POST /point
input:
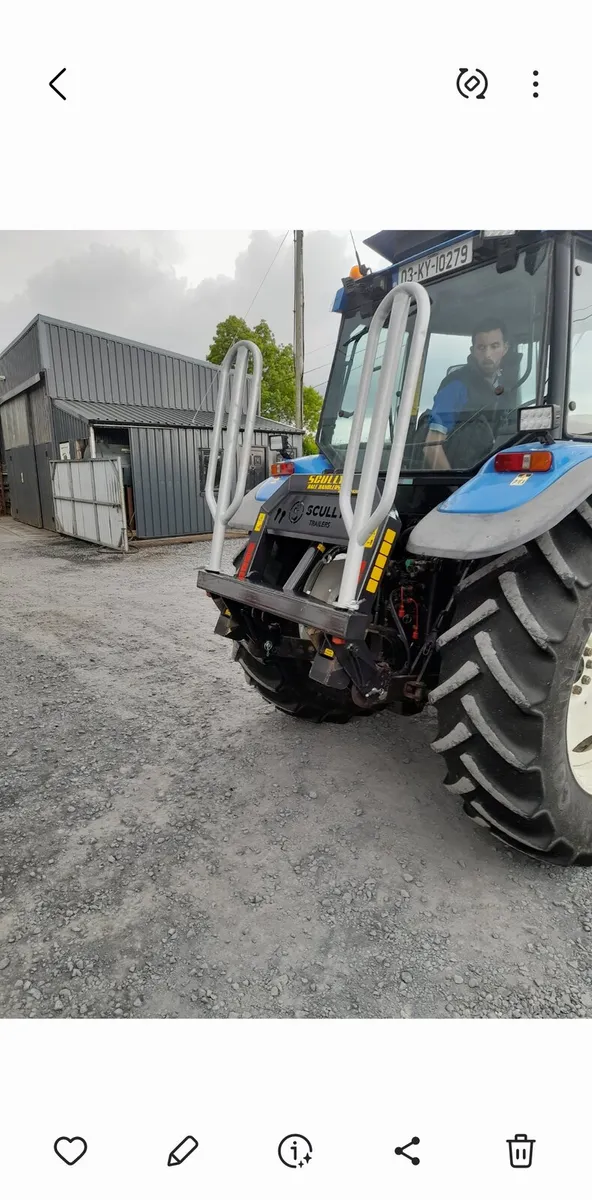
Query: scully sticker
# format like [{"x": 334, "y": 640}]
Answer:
[
  {"x": 323, "y": 483},
  {"x": 259, "y": 523},
  {"x": 518, "y": 480}
]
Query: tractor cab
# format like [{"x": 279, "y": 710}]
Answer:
[{"x": 486, "y": 355}]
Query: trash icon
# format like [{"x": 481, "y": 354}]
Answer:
[{"x": 521, "y": 1150}]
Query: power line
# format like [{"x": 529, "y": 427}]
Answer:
[
  {"x": 319, "y": 368},
  {"x": 323, "y": 347},
  {"x": 214, "y": 377},
  {"x": 266, "y": 274}
]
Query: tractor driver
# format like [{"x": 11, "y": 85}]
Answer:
[{"x": 466, "y": 391}]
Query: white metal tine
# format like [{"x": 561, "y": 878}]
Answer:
[
  {"x": 361, "y": 521},
  {"x": 223, "y": 507}
]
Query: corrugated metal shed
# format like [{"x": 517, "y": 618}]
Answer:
[
  {"x": 70, "y": 377},
  {"x": 21, "y": 359},
  {"x": 128, "y": 414}
]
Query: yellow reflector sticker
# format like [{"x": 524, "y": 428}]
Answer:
[
  {"x": 381, "y": 561},
  {"x": 369, "y": 544},
  {"x": 259, "y": 523},
  {"x": 376, "y": 573},
  {"x": 390, "y": 536},
  {"x": 329, "y": 653},
  {"x": 385, "y": 548},
  {"x": 371, "y": 586}
]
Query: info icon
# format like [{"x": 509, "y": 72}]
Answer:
[{"x": 295, "y": 1150}]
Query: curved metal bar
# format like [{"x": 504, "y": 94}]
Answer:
[
  {"x": 222, "y": 506},
  {"x": 361, "y": 521}
]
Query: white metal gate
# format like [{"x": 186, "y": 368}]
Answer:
[{"x": 89, "y": 502}]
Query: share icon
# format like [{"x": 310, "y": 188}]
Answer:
[{"x": 401, "y": 1150}]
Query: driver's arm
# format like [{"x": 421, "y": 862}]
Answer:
[
  {"x": 434, "y": 453},
  {"x": 449, "y": 402}
]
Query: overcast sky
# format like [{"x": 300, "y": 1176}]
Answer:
[{"x": 170, "y": 289}]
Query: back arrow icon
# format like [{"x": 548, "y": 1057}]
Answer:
[{"x": 52, "y": 81}]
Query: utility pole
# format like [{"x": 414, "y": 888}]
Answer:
[{"x": 299, "y": 325}]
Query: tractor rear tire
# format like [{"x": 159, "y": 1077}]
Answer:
[
  {"x": 510, "y": 664},
  {"x": 285, "y": 683}
]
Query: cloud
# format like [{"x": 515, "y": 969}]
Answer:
[{"x": 136, "y": 285}]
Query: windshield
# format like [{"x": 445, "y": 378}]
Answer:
[{"x": 481, "y": 363}]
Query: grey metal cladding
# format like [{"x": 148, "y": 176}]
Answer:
[
  {"x": 40, "y": 410},
  {"x": 14, "y": 423},
  {"x": 168, "y": 491},
  {"x": 21, "y": 359},
  {"x": 85, "y": 364},
  {"x": 67, "y": 427},
  {"x": 165, "y": 472},
  {"x": 128, "y": 414}
]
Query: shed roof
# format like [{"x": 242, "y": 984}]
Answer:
[{"x": 129, "y": 414}]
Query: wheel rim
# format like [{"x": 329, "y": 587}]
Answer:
[{"x": 579, "y": 721}]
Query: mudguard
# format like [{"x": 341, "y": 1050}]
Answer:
[
  {"x": 495, "y": 512},
  {"x": 248, "y": 510}
]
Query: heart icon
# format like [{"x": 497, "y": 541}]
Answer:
[{"x": 70, "y": 1150}]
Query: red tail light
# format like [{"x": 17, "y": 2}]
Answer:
[
  {"x": 518, "y": 460},
  {"x": 249, "y": 552},
  {"x": 282, "y": 468}
]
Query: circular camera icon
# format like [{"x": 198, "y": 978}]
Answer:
[{"x": 295, "y": 1150}]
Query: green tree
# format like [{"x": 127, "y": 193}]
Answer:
[
  {"x": 278, "y": 387},
  {"x": 312, "y": 402}
]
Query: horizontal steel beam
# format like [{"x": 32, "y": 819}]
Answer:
[
  {"x": 83, "y": 500},
  {"x": 292, "y": 607}
]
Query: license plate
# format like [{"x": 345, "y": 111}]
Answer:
[{"x": 439, "y": 263}]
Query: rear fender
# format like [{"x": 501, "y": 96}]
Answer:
[
  {"x": 249, "y": 508},
  {"x": 495, "y": 512}
]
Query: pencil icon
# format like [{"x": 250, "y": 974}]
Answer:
[{"x": 182, "y": 1151}]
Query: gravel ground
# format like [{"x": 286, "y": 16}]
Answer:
[{"x": 171, "y": 846}]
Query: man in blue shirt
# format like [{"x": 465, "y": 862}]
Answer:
[{"x": 465, "y": 393}]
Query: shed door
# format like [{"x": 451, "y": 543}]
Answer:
[
  {"x": 88, "y": 501},
  {"x": 40, "y": 408},
  {"x": 43, "y": 456},
  {"x": 20, "y": 462},
  {"x": 165, "y": 477}
]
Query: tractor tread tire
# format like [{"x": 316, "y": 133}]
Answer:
[
  {"x": 285, "y": 683},
  {"x": 508, "y": 664}
]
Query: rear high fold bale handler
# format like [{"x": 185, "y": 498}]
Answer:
[{"x": 438, "y": 549}]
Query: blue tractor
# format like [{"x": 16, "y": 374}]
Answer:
[{"x": 438, "y": 548}]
